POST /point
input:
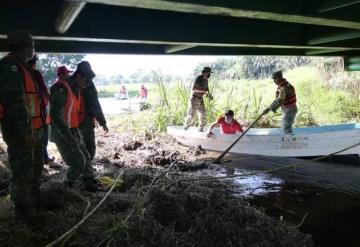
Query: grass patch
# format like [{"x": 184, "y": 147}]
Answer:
[{"x": 318, "y": 104}]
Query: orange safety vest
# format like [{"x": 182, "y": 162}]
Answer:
[
  {"x": 71, "y": 106},
  {"x": 32, "y": 99}
]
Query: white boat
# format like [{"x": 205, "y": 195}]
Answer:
[{"x": 309, "y": 141}]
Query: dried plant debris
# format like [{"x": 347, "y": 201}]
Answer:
[
  {"x": 170, "y": 212},
  {"x": 133, "y": 145},
  {"x": 196, "y": 151},
  {"x": 159, "y": 202}
]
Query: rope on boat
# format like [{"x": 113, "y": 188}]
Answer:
[{"x": 272, "y": 169}]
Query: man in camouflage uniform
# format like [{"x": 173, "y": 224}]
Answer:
[
  {"x": 21, "y": 123},
  {"x": 90, "y": 111},
  {"x": 45, "y": 96},
  {"x": 69, "y": 139},
  {"x": 286, "y": 98},
  {"x": 196, "y": 103}
]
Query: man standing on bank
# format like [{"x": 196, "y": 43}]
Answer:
[
  {"x": 285, "y": 97},
  {"x": 196, "y": 103},
  {"x": 21, "y": 123},
  {"x": 90, "y": 110},
  {"x": 64, "y": 107},
  {"x": 45, "y": 97}
]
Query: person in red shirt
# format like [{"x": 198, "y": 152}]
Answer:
[
  {"x": 142, "y": 95},
  {"x": 142, "y": 92},
  {"x": 123, "y": 93},
  {"x": 227, "y": 124}
]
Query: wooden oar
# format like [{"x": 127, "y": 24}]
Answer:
[{"x": 218, "y": 159}]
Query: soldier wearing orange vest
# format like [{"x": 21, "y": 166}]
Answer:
[
  {"x": 44, "y": 95},
  {"x": 285, "y": 97},
  {"x": 64, "y": 110},
  {"x": 21, "y": 123}
]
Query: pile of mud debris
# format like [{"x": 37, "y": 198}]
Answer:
[{"x": 159, "y": 202}]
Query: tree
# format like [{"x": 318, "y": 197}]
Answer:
[
  {"x": 102, "y": 79},
  {"x": 141, "y": 76},
  {"x": 251, "y": 67},
  {"x": 48, "y": 63},
  {"x": 255, "y": 67},
  {"x": 219, "y": 67},
  {"x": 117, "y": 79}
]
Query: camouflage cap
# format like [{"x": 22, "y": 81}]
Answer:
[
  {"x": 85, "y": 68},
  {"x": 277, "y": 74},
  {"x": 19, "y": 39}
]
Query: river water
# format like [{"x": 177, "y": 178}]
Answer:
[
  {"x": 112, "y": 106},
  {"x": 323, "y": 198}
]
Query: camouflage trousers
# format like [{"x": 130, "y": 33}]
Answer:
[
  {"x": 46, "y": 142},
  {"x": 26, "y": 164},
  {"x": 74, "y": 153},
  {"x": 288, "y": 117},
  {"x": 196, "y": 105},
  {"x": 88, "y": 134}
]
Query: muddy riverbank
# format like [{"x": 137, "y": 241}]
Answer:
[{"x": 160, "y": 200}]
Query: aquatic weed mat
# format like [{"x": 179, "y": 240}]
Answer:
[
  {"x": 157, "y": 202},
  {"x": 151, "y": 208}
]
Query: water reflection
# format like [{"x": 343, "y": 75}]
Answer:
[
  {"x": 254, "y": 185},
  {"x": 247, "y": 186}
]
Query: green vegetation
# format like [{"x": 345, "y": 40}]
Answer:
[
  {"x": 140, "y": 122},
  {"x": 253, "y": 67},
  {"x": 326, "y": 95},
  {"x": 109, "y": 91},
  {"x": 48, "y": 64},
  {"x": 248, "y": 98}
]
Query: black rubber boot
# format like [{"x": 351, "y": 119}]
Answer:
[{"x": 90, "y": 185}]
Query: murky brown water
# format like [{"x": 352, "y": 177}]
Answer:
[{"x": 332, "y": 215}]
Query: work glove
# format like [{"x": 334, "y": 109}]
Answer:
[{"x": 266, "y": 111}]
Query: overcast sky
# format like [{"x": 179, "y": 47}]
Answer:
[{"x": 127, "y": 64}]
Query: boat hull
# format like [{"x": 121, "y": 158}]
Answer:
[{"x": 312, "y": 141}]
